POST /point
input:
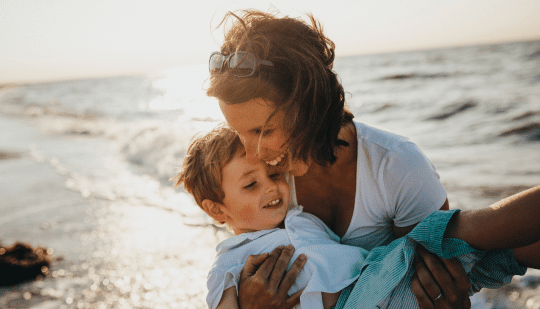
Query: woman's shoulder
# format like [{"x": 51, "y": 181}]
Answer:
[{"x": 370, "y": 135}]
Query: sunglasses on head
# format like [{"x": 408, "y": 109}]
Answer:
[{"x": 240, "y": 63}]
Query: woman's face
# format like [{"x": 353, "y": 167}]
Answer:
[{"x": 248, "y": 119}]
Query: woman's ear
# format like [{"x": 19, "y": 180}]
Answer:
[{"x": 214, "y": 210}]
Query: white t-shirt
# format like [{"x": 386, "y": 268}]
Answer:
[
  {"x": 330, "y": 266},
  {"x": 395, "y": 184}
]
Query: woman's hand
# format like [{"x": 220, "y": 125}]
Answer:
[
  {"x": 262, "y": 284},
  {"x": 439, "y": 283}
]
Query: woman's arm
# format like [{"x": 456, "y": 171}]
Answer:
[
  {"x": 511, "y": 223},
  {"x": 263, "y": 283}
]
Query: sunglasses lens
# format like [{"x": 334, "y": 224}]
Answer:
[
  {"x": 216, "y": 62},
  {"x": 242, "y": 64}
]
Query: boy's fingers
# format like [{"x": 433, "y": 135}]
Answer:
[
  {"x": 252, "y": 264},
  {"x": 293, "y": 300},
  {"x": 280, "y": 266}
]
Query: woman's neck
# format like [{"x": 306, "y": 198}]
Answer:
[{"x": 329, "y": 191}]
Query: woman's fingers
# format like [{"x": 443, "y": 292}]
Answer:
[
  {"x": 425, "y": 301},
  {"x": 457, "y": 272},
  {"x": 435, "y": 269},
  {"x": 446, "y": 287},
  {"x": 294, "y": 299},
  {"x": 267, "y": 267},
  {"x": 280, "y": 266},
  {"x": 256, "y": 289},
  {"x": 292, "y": 274},
  {"x": 252, "y": 264}
]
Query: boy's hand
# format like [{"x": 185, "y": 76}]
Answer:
[
  {"x": 262, "y": 281},
  {"x": 439, "y": 283}
]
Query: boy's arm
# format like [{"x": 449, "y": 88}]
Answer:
[
  {"x": 511, "y": 223},
  {"x": 229, "y": 300}
]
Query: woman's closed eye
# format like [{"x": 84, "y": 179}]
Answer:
[
  {"x": 267, "y": 132},
  {"x": 264, "y": 133}
]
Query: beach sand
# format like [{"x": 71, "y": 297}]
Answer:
[{"x": 107, "y": 253}]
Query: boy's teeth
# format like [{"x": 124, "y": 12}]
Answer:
[{"x": 272, "y": 203}]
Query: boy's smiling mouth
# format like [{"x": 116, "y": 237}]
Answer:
[{"x": 274, "y": 203}]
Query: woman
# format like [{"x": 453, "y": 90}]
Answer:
[{"x": 273, "y": 78}]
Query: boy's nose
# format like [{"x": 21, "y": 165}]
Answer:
[{"x": 271, "y": 186}]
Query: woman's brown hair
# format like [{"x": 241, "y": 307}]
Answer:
[{"x": 301, "y": 81}]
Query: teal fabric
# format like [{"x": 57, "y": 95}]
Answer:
[{"x": 388, "y": 269}]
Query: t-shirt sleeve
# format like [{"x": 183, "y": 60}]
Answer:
[{"x": 411, "y": 185}]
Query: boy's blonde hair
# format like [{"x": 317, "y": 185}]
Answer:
[{"x": 201, "y": 171}]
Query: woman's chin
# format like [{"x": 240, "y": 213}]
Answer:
[
  {"x": 297, "y": 167},
  {"x": 299, "y": 170}
]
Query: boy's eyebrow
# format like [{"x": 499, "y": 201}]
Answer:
[
  {"x": 242, "y": 153},
  {"x": 246, "y": 173}
]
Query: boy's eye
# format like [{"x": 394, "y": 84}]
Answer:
[{"x": 251, "y": 184}]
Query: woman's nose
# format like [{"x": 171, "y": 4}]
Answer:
[
  {"x": 252, "y": 156},
  {"x": 252, "y": 152}
]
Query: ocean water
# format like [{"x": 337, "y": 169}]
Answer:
[{"x": 474, "y": 111}]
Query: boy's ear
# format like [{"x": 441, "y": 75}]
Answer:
[{"x": 214, "y": 210}]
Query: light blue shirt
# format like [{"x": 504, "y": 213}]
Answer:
[{"x": 330, "y": 266}]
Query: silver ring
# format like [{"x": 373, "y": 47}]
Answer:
[{"x": 440, "y": 295}]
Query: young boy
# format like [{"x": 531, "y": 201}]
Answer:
[{"x": 254, "y": 204}]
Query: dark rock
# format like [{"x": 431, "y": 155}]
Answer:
[{"x": 21, "y": 262}]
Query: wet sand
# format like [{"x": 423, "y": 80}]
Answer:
[{"x": 106, "y": 254}]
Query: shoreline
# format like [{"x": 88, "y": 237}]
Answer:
[{"x": 106, "y": 254}]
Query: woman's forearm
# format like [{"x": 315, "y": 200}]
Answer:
[{"x": 511, "y": 223}]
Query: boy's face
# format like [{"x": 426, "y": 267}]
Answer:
[{"x": 255, "y": 198}]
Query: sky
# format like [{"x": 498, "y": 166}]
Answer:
[{"x": 69, "y": 39}]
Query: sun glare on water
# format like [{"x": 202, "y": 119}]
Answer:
[{"x": 183, "y": 88}]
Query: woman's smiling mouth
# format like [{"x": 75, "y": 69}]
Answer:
[{"x": 276, "y": 160}]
